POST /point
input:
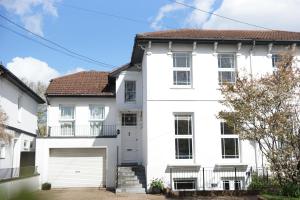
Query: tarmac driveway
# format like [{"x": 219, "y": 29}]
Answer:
[{"x": 94, "y": 194}]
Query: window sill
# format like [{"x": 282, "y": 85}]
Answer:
[{"x": 181, "y": 87}]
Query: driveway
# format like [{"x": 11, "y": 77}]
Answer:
[{"x": 94, "y": 194}]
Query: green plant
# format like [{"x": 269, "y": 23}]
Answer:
[
  {"x": 157, "y": 185},
  {"x": 291, "y": 190},
  {"x": 46, "y": 186}
]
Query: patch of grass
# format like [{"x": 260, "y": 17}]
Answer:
[{"x": 277, "y": 197}]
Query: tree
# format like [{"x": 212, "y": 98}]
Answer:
[
  {"x": 4, "y": 136},
  {"x": 39, "y": 88},
  {"x": 266, "y": 110}
]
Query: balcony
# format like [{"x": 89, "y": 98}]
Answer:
[{"x": 105, "y": 131}]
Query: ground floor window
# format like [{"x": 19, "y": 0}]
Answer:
[
  {"x": 226, "y": 185},
  {"x": 230, "y": 148},
  {"x": 2, "y": 150},
  {"x": 184, "y": 148},
  {"x": 237, "y": 185},
  {"x": 185, "y": 184}
]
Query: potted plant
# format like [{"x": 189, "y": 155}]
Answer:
[{"x": 157, "y": 186}]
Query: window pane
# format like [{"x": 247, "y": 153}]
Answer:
[
  {"x": 181, "y": 77},
  {"x": 96, "y": 128},
  {"x": 67, "y": 128},
  {"x": 129, "y": 120},
  {"x": 96, "y": 112},
  {"x": 230, "y": 148},
  {"x": 225, "y": 129},
  {"x": 130, "y": 91},
  {"x": 275, "y": 60},
  {"x": 226, "y": 60},
  {"x": 227, "y": 77},
  {"x": 183, "y": 125},
  {"x": 67, "y": 112},
  {"x": 181, "y": 184},
  {"x": 183, "y": 148},
  {"x": 181, "y": 60}
]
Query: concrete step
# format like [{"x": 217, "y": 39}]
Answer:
[
  {"x": 130, "y": 185},
  {"x": 131, "y": 190},
  {"x": 126, "y": 174},
  {"x": 125, "y": 182}
]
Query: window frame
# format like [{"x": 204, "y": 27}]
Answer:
[
  {"x": 2, "y": 150},
  {"x": 225, "y": 137},
  {"x": 65, "y": 121},
  {"x": 93, "y": 121},
  {"x": 194, "y": 181},
  {"x": 187, "y": 69},
  {"x": 189, "y": 136},
  {"x": 123, "y": 119},
  {"x": 232, "y": 70},
  {"x": 126, "y": 91}
]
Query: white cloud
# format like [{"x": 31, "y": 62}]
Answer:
[
  {"x": 36, "y": 70},
  {"x": 274, "y": 14},
  {"x": 31, "y": 12},
  {"x": 163, "y": 11},
  {"x": 77, "y": 69},
  {"x": 32, "y": 69},
  {"x": 197, "y": 18}
]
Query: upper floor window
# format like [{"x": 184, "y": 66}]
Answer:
[
  {"x": 2, "y": 149},
  {"x": 276, "y": 58},
  {"x": 130, "y": 91},
  {"x": 182, "y": 64},
  {"x": 97, "y": 116},
  {"x": 67, "y": 120},
  {"x": 129, "y": 119},
  {"x": 183, "y": 136},
  {"x": 229, "y": 141},
  {"x": 227, "y": 68}
]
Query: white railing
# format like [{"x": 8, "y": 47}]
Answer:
[{"x": 82, "y": 131}]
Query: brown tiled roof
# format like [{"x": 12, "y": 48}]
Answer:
[
  {"x": 222, "y": 34},
  {"x": 87, "y": 83}
]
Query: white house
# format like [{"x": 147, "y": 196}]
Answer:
[
  {"x": 19, "y": 103},
  {"x": 159, "y": 112}
]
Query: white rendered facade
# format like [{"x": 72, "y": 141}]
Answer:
[
  {"x": 21, "y": 111},
  {"x": 155, "y": 102}
]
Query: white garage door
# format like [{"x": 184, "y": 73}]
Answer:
[{"x": 77, "y": 167}]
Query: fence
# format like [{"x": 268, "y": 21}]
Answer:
[
  {"x": 82, "y": 131},
  {"x": 11, "y": 173},
  {"x": 217, "y": 178}
]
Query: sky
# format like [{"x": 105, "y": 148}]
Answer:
[{"x": 105, "y": 30}]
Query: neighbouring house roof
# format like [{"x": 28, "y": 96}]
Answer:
[
  {"x": 4, "y": 72},
  {"x": 222, "y": 35},
  {"x": 82, "y": 84}
]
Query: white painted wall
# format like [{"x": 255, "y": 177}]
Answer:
[
  {"x": 27, "y": 121},
  {"x": 82, "y": 111},
  {"x": 161, "y": 100},
  {"x": 110, "y": 144},
  {"x": 120, "y": 90},
  {"x": 9, "y": 94}
]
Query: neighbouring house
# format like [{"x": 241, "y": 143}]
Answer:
[
  {"x": 20, "y": 104},
  {"x": 156, "y": 116}
]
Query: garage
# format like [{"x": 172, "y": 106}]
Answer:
[{"x": 77, "y": 167}]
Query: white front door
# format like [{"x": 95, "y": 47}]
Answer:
[{"x": 130, "y": 138}]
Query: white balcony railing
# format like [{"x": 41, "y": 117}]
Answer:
[{"x": 82, "y": 131}]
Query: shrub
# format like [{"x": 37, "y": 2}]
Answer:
[
  {"x": 157, "y": 186},
  {"x": 46, "y": 186},
  {"x": 291, "y": 190}
]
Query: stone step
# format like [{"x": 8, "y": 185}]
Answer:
[
  {"x": 125, "y": 182},
  {"x": 131, "y": 190},
  {"x": 127, "y": 178},
  {"x": 130, "y": 185},
  {"x": 126, "y": 174}
]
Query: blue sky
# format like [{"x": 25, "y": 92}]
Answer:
[{"x": 105, "y": 38}]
